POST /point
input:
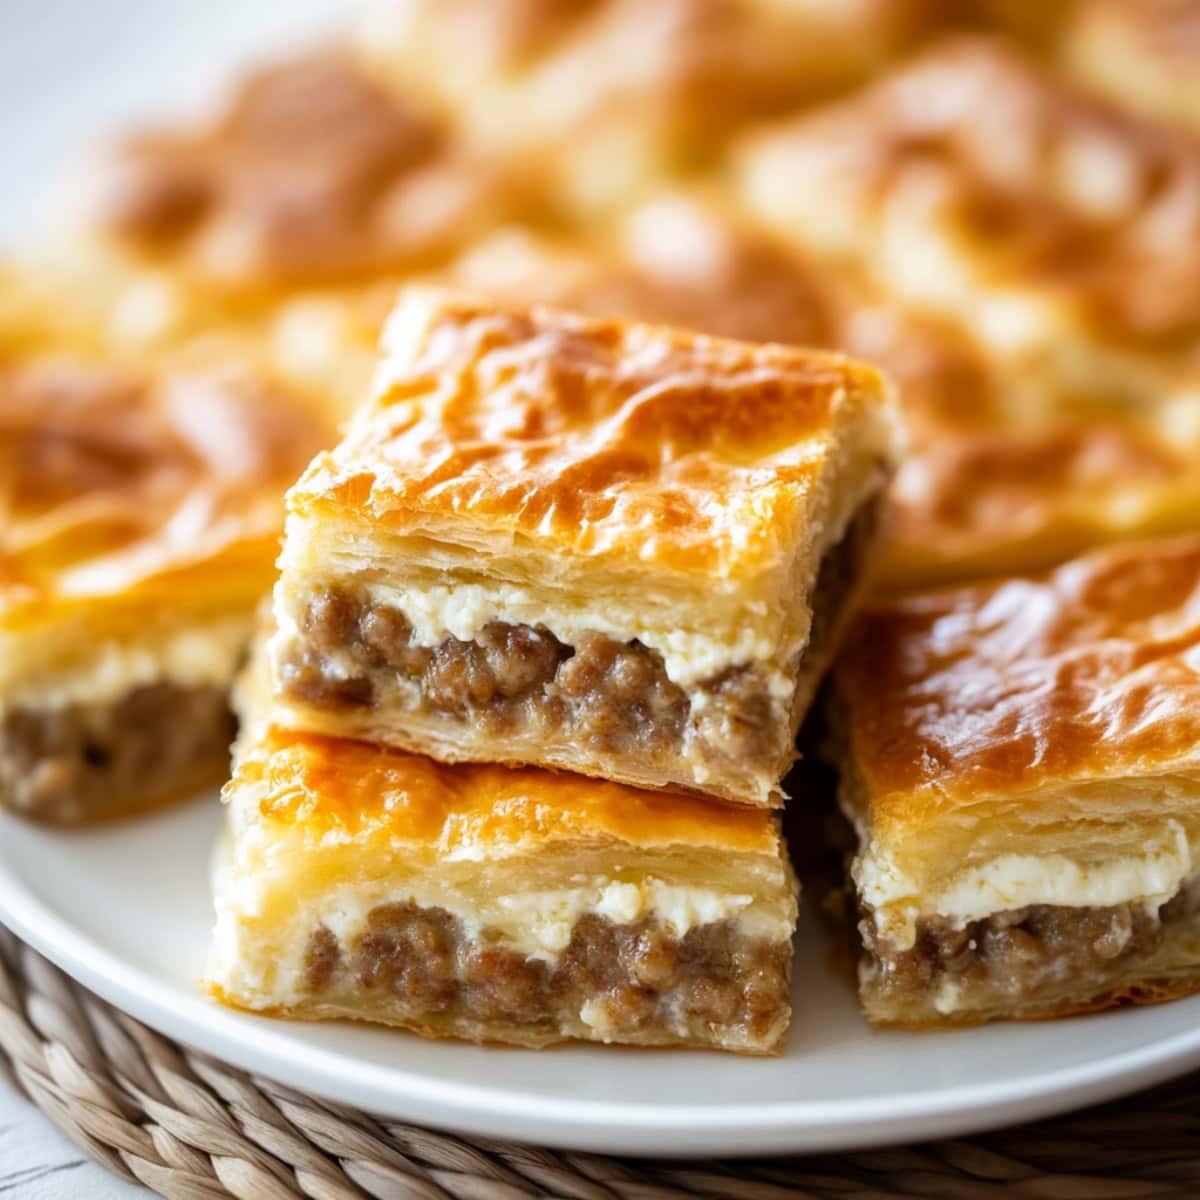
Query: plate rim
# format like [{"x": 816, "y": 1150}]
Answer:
[{"x": 566, "y": 1122}]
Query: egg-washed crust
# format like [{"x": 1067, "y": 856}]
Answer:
[
  {"x": 1002, "y": 691},
  {"x": 646, "y": 446},
  {"x": 1041, "y": 188},
  {"x": 311, "y": 172},
  {"x": 1143, "y": 53},
  {"x": 977, "y": 504},
  {"x": 130, "y": 491},
  {"x": 315, "y": 785}
]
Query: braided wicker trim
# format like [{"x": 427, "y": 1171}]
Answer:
[{"x": 192, "y": 1128}]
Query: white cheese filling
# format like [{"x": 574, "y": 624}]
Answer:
[
  {"x": 535, "y": 924},
  {"x": 1011, "y": 881},
  {"x": 196, "y": 656},
  {"x": 462, "y": 611}
]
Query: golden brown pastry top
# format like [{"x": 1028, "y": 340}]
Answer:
[
  {"x": 115, "y": 480},
  {"x": 970, "y": 504},
  {"x": 312, "y": 171},
  {"x": 323, "y": 786},
  {"x": 1091, "y": 672},
  {"x": 677, "y": 259},
  {"x": 605, "y": 439},
  {"x": 1052, "y": 189}
]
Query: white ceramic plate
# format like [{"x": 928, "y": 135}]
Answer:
[{"x": 126, "y": 910}]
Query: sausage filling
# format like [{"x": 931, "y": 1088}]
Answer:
[
  {"x": 520, "y": 679},
  {"x": 627, "y": 982},
  {"x": 87, "y": 762},
  {"x": 1017, "y": 955}
]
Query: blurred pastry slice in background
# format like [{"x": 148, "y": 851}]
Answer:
[
  {"x": 682, "y": 257},
  {"x": 616, "y": 95},
  {"x": 140, "y": 512},
  {"x": 309, "y": 190},
  {"x": 974, "y": 504},
  {"x": 1055, "y": 232},
  {"x": 1143, "y": 53}
]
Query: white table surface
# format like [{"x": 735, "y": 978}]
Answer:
[
  {"x": 39, "y": 1163},
  {"x": 71, "y": 71}
]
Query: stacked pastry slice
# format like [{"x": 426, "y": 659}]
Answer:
[{"x": 548, "y": 542}]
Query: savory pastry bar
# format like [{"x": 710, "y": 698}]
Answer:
[
  {"x": 1020, "y": 761},
  {"x": 497, "y": 904},
  {"x": 1057, "y": 232},
  {"x": 140, "y": 510},
  {"x": 610, "y": 97},
  {"x": 620, "y": 549}
]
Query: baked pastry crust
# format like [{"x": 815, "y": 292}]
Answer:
[
  {"x": 1019, "y": 760},
  {"x": 610, "y": 97},
  {"x": 1057, "y": 232},
  {"x": 140, "y": 510},
  {"x": 494, "y": 904},
  {"x": 581, "y": 543}
]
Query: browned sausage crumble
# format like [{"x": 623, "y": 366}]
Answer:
[
  {"x": 420, "y": 963},
  {"x": 1017, "y": 954},
  {"x": 615, "y": 697},
  {"x": 87, "y": 762}
]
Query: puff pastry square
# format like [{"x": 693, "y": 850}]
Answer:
[
  {"x": 620, "y": 549},
  {"x": 497, "y": 904},
  {"x": 1020, "y": 760},
  {"x": 140, "y": 510},
  {"x": 1058, "y": 233},
  {"x": 612, "y": 96}
]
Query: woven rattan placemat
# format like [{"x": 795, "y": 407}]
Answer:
[{"x": 192, "y": 1128}]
